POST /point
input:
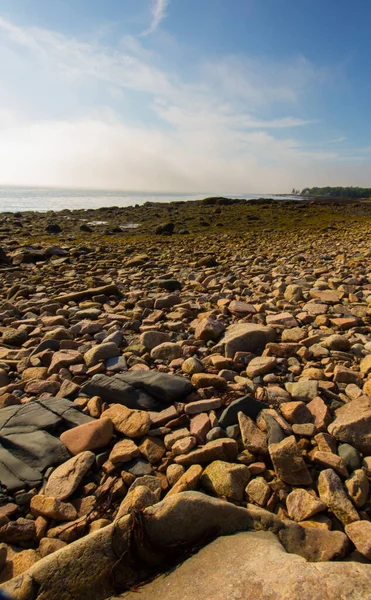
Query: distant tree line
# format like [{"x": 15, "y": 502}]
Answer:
[{"x": 338, "y": 192}]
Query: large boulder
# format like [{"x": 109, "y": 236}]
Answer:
[{"x": 255, "y": 565}]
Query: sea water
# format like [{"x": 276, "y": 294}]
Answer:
[{"x": 20, "y": 199}]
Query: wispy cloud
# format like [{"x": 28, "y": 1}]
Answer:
[
  {"x": 158, "y": 15},
  {"x": 81, "y": 113}
]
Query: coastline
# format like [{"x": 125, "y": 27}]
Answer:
[{"x": 256, "y": 308}]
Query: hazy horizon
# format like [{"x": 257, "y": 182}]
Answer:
[{"x": 160, "y": 96}]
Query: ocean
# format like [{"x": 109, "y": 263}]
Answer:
[{"x": 13, "y": 199}]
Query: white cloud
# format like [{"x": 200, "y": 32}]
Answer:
[
  {"x": 158, "y": 15},
  {"x": 78, "y": 113}
]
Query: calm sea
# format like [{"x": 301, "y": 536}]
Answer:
[{"x": 44, "y": 199}]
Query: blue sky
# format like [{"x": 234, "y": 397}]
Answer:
[{"x": 214, "y": 96}]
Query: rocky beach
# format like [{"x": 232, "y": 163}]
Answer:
[{"x": 185, "y": 388}]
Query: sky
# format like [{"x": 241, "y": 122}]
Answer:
[{"x": 200, "y": 96}]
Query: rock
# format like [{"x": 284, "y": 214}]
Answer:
[
  {"x": 301, "y": 505},
  {"x": 296, "y": 412},
  {"x": 17, "y": 561},
  {"x": 51, "y": 508},
  {"x": 288, "y": 462},
  {"x": 166, "y": 351},
  {"x": 150, "y": 390},
  {"x": 258, "y": 491},
  {"x": 89, "y": 436},
  {"x": 153, "y": 449},
  {"x": 320, "y": 413},
  {"x": 253, "y": 438},
  {"x": 303, "y": 391},
  {"x": 100, "y": 353},
  {"x": 332, "y": 493},
  {"x": 193, "y": 365},
  {"x": 344, "y": 375},
  {"x": 220, "y": 449},
  {"x": 151, "y": 482},
  {"x": 123, "y": 451},
  {"x": 336, "y": 342},
  {"x": 169, "y": 521},
  {"x": 174, "y": 473},
  {"x": 314, "y": 544},
  {"x": 203, "y": 380},
  {"x": 138, "y": 498},
  {"x": 226, "y": 480},
  {"x": 285, "y": 319},
  {"x": 70, "y": 572},
  {"x": 358, "y": 487},
  {"x": 359, "y": 533},
  {"x": 18, "y": 532},
  {"x": 132, "y": 423},
  {"x": 365, "y": 365},
  {"x": 187, "y": 481},
  {"x": 170, "y": 285},
  {"x": 245, "y": 337},
  {"x": 199, "y": 406},
  {"x": 67, "y": 477},
  {"x": 350, "y": 456},
  {"x": 352, "y": 424},
  {"x": 293, "y": 292},
  {"x": 64, "y": 358},
  {"x": 260, "y": 366},
  {"x": 14, "y": 337},
  {"x": 199, "y": 427},
  {"x": 151, "y": 339},
  {"x": 53, "y": 228},
  {"x": 49, "y": 545},
  {"x": 327, "y": 459},
  {"x": 247, "y": 405},
  {"x": 208, "y": 329},
  {"x": 231, "y": 567}
]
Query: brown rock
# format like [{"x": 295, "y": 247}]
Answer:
[
  {"x": 320, "y": 412},
  {"x": 358, "y": 487},
  {"x": 51, "y": 508},
  {"x": 332, "y": 461},
  {"x": 288, "y": 462},
  {"x": 49, "y": 545},
  {"x": 187, "y": 481},
  {"x": 89, "y": 436},
  {"x": 153, "y": 449},
  {"x": 67, "y": 477},
  {"x": 359, "y": 533},
  {"x": 132, "y": 423},
  {"x": 203, "y": 380},
  {"x": 208, "y": 329},
  {"x": 353, "y": 424},
  {"x": 258, "y": 490},
  {"x": 332, "y": 493},
  {"x": 221, "y": 449},
  {"x": 253, "y": 438},
  {"x": 226, "y": 480},
  {"x": 301, "y": 505}
]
